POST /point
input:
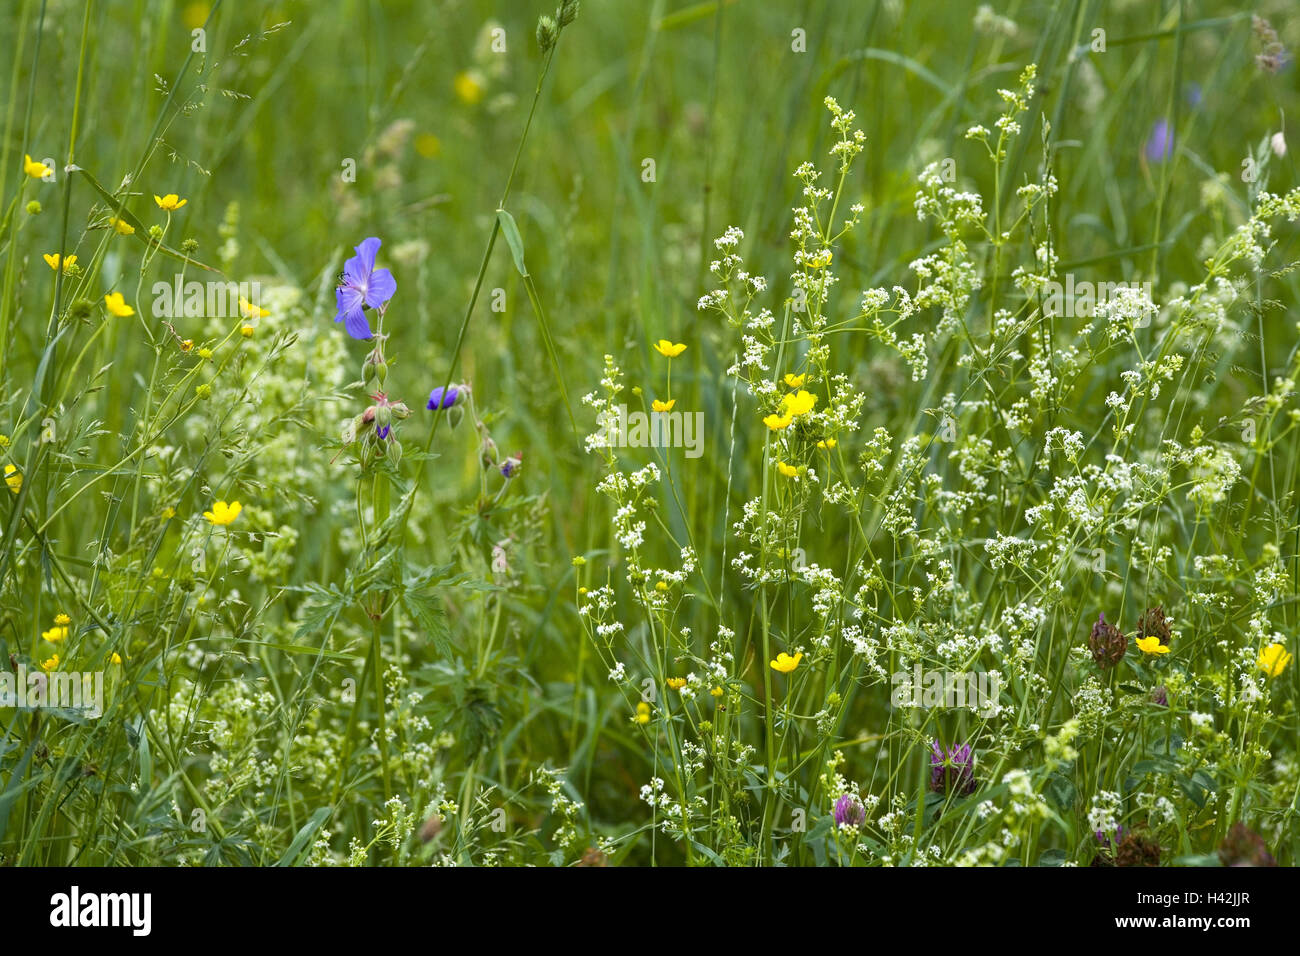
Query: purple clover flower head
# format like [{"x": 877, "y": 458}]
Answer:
[
  {"x": 1160, "y": 696},
  {"x": 440, "y": 399},
  {"x": 849, "y": 811},
  {"x": 953, "y": 769},
  {"x": 362, "y": 287},
  {"x": 1160, "y": 144}
]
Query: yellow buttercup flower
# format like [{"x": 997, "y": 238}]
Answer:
[
  {"x": 676, "y": 683},
  {"x": 123, "y": 228},
  {"x": 170, "y": 202},
  {"x": 468, "y": 87},
  {"x": 794, "y": 381},
  {"x": 34, "y": 169},
  {"x": 1273, "y": 659},
  {"x": 667, "y": 406},
  {"x": 1151, "y": 645},
  {"x": 827, "y": 443},
  {"x": 116, "y": 304},
  {"x": 788, "y": 470},
  {"x": 115, "y": 657},
  {"x": 247, "y": 331},
  {"x": 777, "y": 422},
  {"x": 50, "y": 663},
  {"x": 784, "y": 663},
  {"x": 250, "y": 311},
  {"x": 716, "y": 692},
  {"x": 55, "y": 634},
  {"x": 222, "y": 513},
  {"x": 62, "y": 620},
  {"x": 668, "y": 349},
  {"x": 798, "y": 403},
  {"x": 51, "y": 260},
  {"x": 13, "y": 478},
  {"x": 642, "y": 713}
]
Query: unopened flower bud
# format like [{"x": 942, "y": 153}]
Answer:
[{"x": 488, "y": 452}]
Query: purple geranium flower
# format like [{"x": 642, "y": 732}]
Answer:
[
  {"x": 362, "y": 287},
  {"x": 1160, "y": 145},
  {"x": 442, "y": 399}
]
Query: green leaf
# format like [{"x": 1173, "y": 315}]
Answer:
[
  {"x": 15, "y": 785},
  {"x": 1061, "y": 790},
  {"x": 299, "y": 844},
  {"x": 146, "y": 760},
  {"x": 427, "y": 610},
  {"x": 320, "y": 613},
  {"x": 513, "y": 240}
]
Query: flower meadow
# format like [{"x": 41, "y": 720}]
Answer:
[{"x": 708, "y": 434}]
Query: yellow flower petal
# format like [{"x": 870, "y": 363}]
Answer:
[
  {"x": 667, "y": 406},
  {"x": 1273, "y": 659},
  {"x": 798, "y": 403},
  {"x": 116, "y": 304},
  {"x": 668, "y": 349},
  {"x": 251, "y": 311},
  {"x": 35, "y": 169},
  {"x": 1151, "y": 645},
  {"x": 784, "y": 663},
  {"x": 222, "y": 513}
]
